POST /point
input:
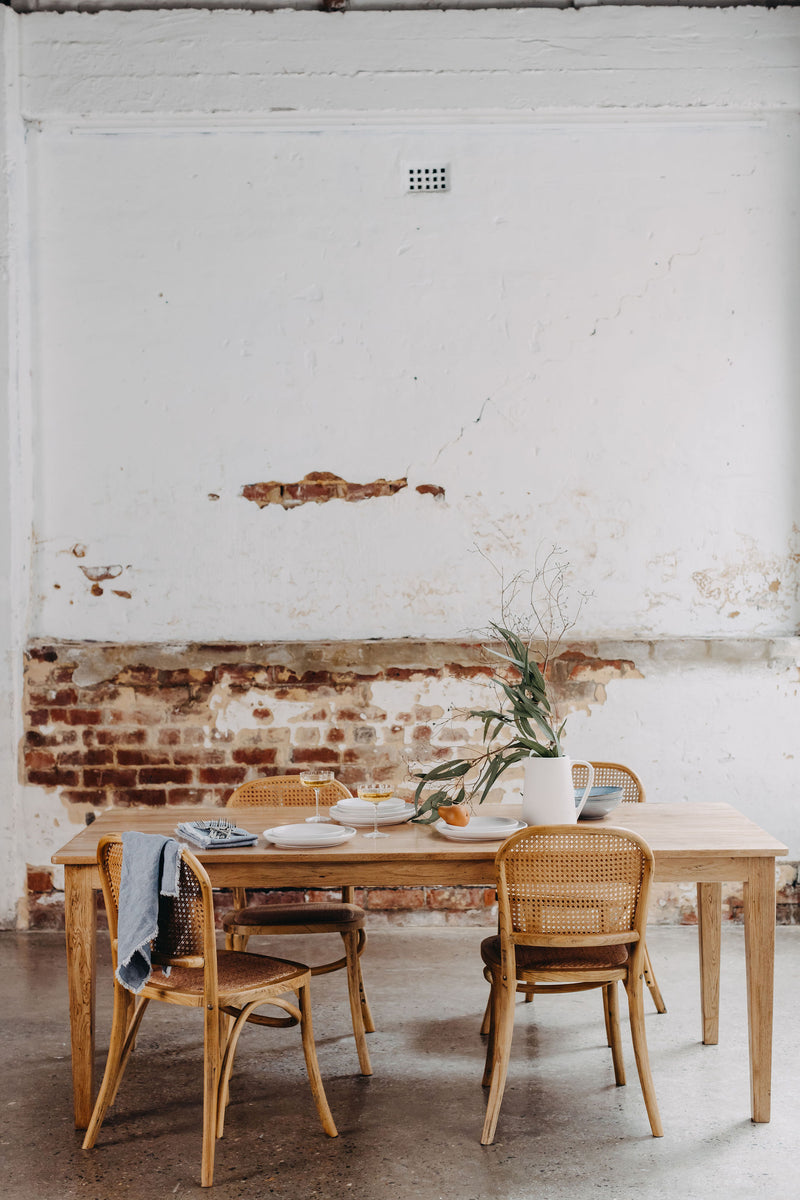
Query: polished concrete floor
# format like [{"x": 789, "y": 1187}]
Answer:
[{"x": 412, "y": 1130}]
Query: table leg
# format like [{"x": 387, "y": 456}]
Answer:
[
  {"x": 709, "y": 920},
  {"x": 80, "y": 921},
  {"x": 759, "y": 942}
]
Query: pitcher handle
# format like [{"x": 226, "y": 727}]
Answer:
[{"x": 581, "y": 762}]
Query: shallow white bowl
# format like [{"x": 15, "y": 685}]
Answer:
[{"x": 602, "y": 800}]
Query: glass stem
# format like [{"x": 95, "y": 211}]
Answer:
[{"x": 316, "y": 798}]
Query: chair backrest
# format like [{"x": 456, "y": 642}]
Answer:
[
  {"x": 285, "y": 790},
  {"x": 610, "y": 774},
  {"x": 573, "y": 885},
  {"x": 185, "y": 922}
]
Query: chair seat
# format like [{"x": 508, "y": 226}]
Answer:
[
  {"x": 313, "y": 913},
  {"x": 237, "y": 972},
  {"x": 563, "y": 958}
]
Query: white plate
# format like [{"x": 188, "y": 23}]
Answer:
[
  {"x": 398, "y": 817},
  {"x": 308, "y": 837},
  {"x": 358, "y": 807},
  {"x": 480, "y": 829}
]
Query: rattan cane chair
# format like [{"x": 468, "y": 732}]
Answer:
[
  {"x": 610, "y": 774},
  {"x": 330, "y": 916},
  {"x": 572, "y": 909},
  {"x": 224, "y": 984}
]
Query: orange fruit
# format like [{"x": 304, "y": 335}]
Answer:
[{"x": 454, "y": 814}]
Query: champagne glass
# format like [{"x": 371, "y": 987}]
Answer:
[
  {"x": 375, "y": 792},
  {"x": 315, "y": 779}
]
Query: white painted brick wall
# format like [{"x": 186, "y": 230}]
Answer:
[{"x": 589, "y": 340}]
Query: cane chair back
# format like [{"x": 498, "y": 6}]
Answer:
[
  {"x": 566, "y": 881},
  {"x": 611, "y": 774},
  {"x": 342, "y": 916},
  {"x": 185, "y": 922},
  {"x": 285, "y": 790},
  {"x": 572, "y": 909},
  {"x": 189, "y": 971}
]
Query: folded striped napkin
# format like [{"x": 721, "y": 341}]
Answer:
[{"x": 208, "y": 834}]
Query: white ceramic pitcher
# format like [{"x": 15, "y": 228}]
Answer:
[{"x": 548, "y": 793}]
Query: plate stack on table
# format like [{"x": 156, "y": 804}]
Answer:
[
  {"x": 352, "y": 811},
  {"x": 480, "y": 829},
  {"x": 308, "y": 836}
]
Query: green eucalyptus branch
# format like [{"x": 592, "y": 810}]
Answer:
[{"x": 520, "y": 727}]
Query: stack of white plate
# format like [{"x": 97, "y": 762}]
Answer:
[
  {"x": 308, "y": 836},
  {"x": 353, "y": 811},
  {"x": 480, "y": 829}
]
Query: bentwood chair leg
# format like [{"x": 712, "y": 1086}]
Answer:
[
  {"x": 114, "y": 1065},
  {"x": 504, "y": 1029},
  {"x": 633, "y": 987},
  {"x": 487, "y": 1017},
  {"x": 236, "y": 941},
  {"x": 606, "y": 1016},
  {"x": 354, "y": 987},
  {"x": 225, "y": 1027},
  {"x": 211, "y": 1089},
  {"x": 135, "y": 1010},
  {"x": 652, "y": 984},
  {"x": 312, "y": 1066},
  {"x": 611, "y": 1000},
  {"x": 366, "y": 1012},
  {"x": 491, "y": 1044}
]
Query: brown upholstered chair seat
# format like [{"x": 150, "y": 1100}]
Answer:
[
  {"x": 236, "y": 973},
  {"x": 566, "y": 958},
  {"x": 313, "y": 913}
]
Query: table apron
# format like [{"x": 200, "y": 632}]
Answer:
[
  {"x": 410, "y": 873},
  {"x": 363, "y": 874},
  {"x": 732, "y": 869}
]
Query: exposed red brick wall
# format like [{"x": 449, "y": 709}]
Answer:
[
  {"x": 318, "y": 487},
  {"x": 146, "y": 730},
  {"x": 154, "y": 726}
]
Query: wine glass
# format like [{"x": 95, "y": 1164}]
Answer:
[
  {"x": 315, "y": 779},
  {"x": 375, "y": 792}
]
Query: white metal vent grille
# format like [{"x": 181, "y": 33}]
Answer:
[{"x": 428, "y": 178}]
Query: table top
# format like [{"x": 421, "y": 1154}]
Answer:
[{"x": 678, "y": 831}]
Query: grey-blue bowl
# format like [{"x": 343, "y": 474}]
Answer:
[{"x": 600, "y": 802}]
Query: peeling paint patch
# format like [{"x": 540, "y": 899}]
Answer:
[
  {"x": 771, "y": 583},
  {"x": 98, "y": 574},
  {"x": 431, "y": 489},
  {"x": 318, "y": 487}
]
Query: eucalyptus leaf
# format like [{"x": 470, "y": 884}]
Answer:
[{"x": 521, "y": 727}]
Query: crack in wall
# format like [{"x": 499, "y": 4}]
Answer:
[
  {"x": 462, "y": 431},
  {"x": 648, "y": 284}
]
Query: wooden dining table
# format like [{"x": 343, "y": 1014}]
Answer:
[{"x": 703, "y": 843}]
